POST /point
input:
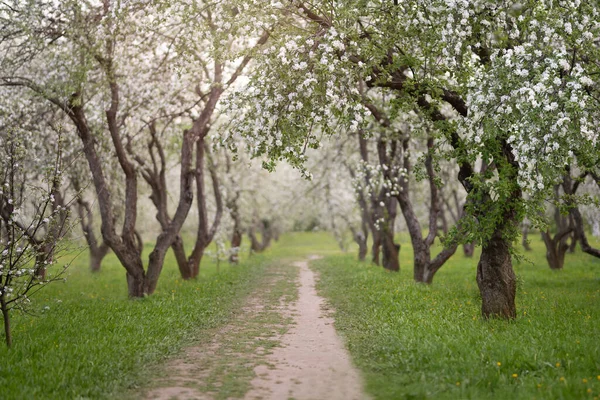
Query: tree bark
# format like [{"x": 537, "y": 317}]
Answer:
[
  {"x": 236, "y": 242},
  {"x": 577, "y": 219},
  {"x": 169, "y": 237},
  {"x": 362, "y": 249},
  {"x": 6, "y": 317},
  {"x": 96, "y": 257},
  {"x": 204, "y": 234},
  {"x": 496, "y": 279},
  {"x": 468, "y": 249},
  {"x": 361, "y": 236},
  {"x": 257, "y": 246},
  {"x": 390, "y": 249},
  {"x": 155, "y": 176},
  {"x": 424, "y": 268},
  {"x": 556, "y": 248},
  {"x": 86, "y": 221},
  {"x": 495, "y": 276},
  {"x": 371, "y": 211},
  {"x": 524, "y": 236},
  {"x": 376, "y": 249},
  {"x": 361, "y": 239},
  {"x": 580, "y": 233}
]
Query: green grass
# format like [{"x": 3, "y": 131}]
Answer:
[
  {"x": 410, "y": 341},
  {"x": 418, "y": 342},
  {"x": 89, "y": 340},
  {"x": 86, "y": 339}
]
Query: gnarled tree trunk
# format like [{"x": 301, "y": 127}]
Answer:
[
  {"x": 236, "y": 235},
  {"x": 205, "y": 234},
  {"x": 557, "y": 246},
  {"x": 390, "y": 249},
  {"x": 576, "y": 218},
  {"x": 496, "y": 279},
  {"x": 524, "y": 236},
  {"x": 258, "y": 246},
  {"x": 495, "y": 276},
  {"x": 97, "y": 252}
]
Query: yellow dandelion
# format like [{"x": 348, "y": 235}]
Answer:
[
  {"x": 589, "y": 390},
  {"x": 557, "y": 365},
  {"x": 498, "y": 363},
  {"x": 598, "y": 377},
  {"x": 562, "y": 379},
  {"x": 457, "y": 383},
  {"x": 539, "y": 385},
  {"x": 584, "y": 380},
  {"x": 515, "y": 375}
]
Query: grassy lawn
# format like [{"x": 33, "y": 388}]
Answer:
[
  {"x": 414, "y": 341},
  {"x": 88, "y": 340}
]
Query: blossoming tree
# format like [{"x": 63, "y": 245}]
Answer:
[
  {"x": 118, "y": 70},
  {"x": 504, "y": 85}
]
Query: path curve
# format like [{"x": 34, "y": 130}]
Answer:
[{"x": 312, "y": 363}]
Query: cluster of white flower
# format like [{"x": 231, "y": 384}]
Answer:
[
  {"x": 535, "y": 95},
  {"x": 306, "y": 86}
]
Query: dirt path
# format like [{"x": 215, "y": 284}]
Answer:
[
  {"x": 312, "y": 362},
  {"x": 281, "y": 345},
  {"x": 222, "y": 365}
]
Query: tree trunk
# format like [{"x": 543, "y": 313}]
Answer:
[
  {"x": 525, "y": 240},
  {"x": 181, "y": 258},
  {"x": 266, "y": 235},
  {"x": 556, "y": 259},
  {"x": 496, "y": 279},
  {"x": 236, "y": 242},
  {"x": 370, "y": 210},
  {"x": 575, "y": 218},
  {"x": 363, "y": 249},
  {"x": 86, "y": 220},
  {"x": 468, "y": 249},
  {"x": 424, "y": 267},
  {"x": 96, "y": 257},
  {"x": 390, "y": 252},
  {"x": 573, "y": 243},
  {"x": 580, "y": 233},
  {"x": 556, "y": 248},
  {"x": 136, "y": 285},
  {"x": 236, "y": 236},
  {"x": 376, "y": 248},
  {"x": 56, "y": 230},
  {"x": 195, "y": 259},
  {"x": 254, "y": 243},
  {"x": 204, "y": 234},
  {"x": 422, "y": 272},
  {"x": 6, "y": 317}
]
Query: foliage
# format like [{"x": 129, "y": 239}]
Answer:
[
  {"x": 416, "y": 341},
  {"x": 506, "y": 85}
]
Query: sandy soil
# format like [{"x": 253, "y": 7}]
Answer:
[{"x": 312, "y": 363}]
